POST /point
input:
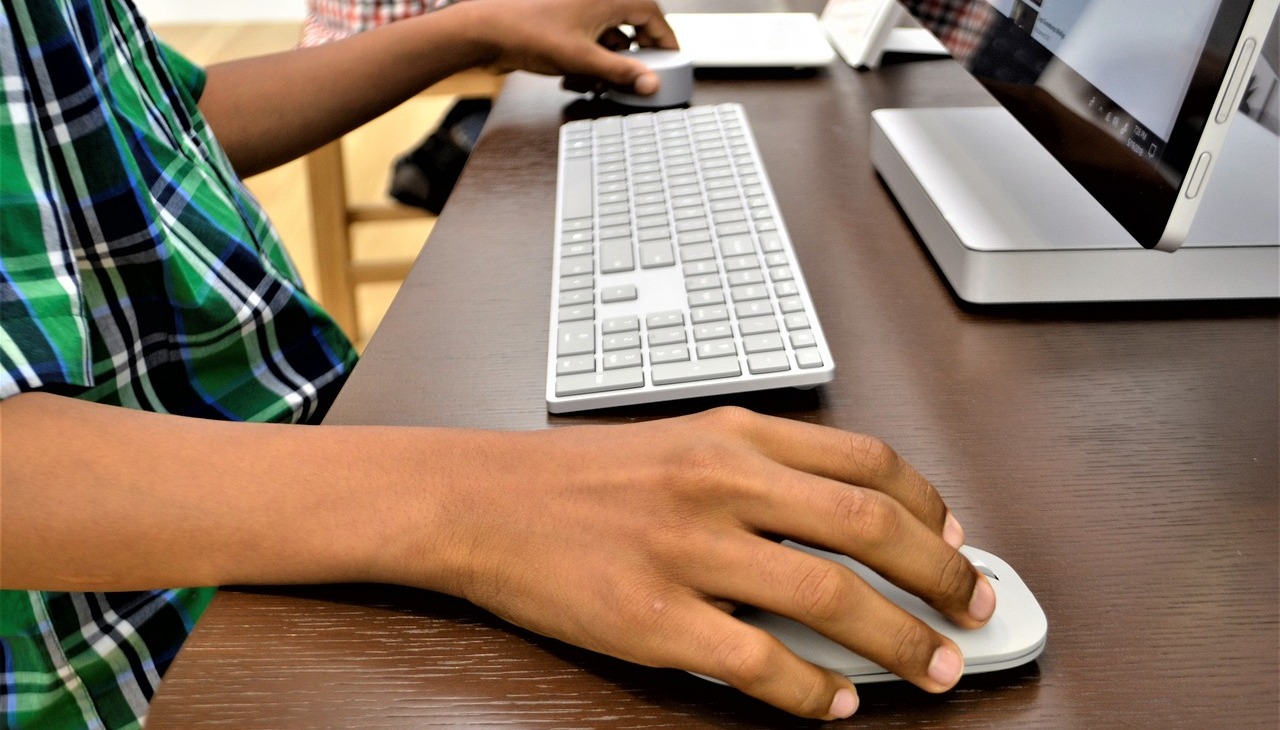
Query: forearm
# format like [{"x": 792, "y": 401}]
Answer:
[
  {"x": 548, "y": 529},
  {"x": 102, "y": 498},
  {"x": 271, "y": 109}
]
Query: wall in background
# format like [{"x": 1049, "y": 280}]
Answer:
[{"x": 220, "y": 11}]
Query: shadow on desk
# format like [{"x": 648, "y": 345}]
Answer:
[{"x": 444, "y": 649}]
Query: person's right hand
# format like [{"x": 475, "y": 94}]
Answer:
[
  {"x": 635, "y": 540},
  {"x": 569, "y": 37}
]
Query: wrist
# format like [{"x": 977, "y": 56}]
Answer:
[{"x": 474, "y": 40}]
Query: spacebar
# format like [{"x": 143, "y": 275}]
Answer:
[{"x": 684, "y": 372}]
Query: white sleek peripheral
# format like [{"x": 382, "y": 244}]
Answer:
[
  {"x": 752, "y": 40},
  {"x": 862, "y": 31},
  {"x": 1015, "y": 635},
  {"x": 673, "y": 275},
  {"x": 675, "y": 79},
  {"x": 1007, "y": 224}
]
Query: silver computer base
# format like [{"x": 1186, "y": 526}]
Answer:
[{"x": 1007, "y": 224}]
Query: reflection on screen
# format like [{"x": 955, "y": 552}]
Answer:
[
  {"x": 1118, "y": 91},
  {"x": 1139, "y": 55}
]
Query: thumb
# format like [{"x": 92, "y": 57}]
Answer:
[{"x": 620, "y": 70}]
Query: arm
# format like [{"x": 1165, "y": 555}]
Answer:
[
  {"x": 543, "y": 528},
  {"x": 268, "y": 110}
]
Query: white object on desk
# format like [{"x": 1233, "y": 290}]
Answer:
[
  {"x": 752, "y": 40},
  {"x": 1007, "y": 224},
  {"x": 1014, "y": 635},
  {"x": 675, "y": 79},
  {"x": 673, "y": 275},
  {"x": 862, "y": 31}
]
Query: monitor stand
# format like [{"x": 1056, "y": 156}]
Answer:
[{"x": 1007, "y": 224}]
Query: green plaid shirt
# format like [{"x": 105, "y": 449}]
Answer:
[{"x": 135, "y": 270}]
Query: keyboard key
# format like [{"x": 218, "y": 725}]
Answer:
[
  {"x": 791, "y": 305},
  {"x": 575, "y": 338},
  {"x": 762, "y": 342},
  {"x": 801, "y": 339},
  {"x": 577, "y": 296},
  {"x": 621, "y": 359},
  {"x": 797, "y": 321},
  {"x": 616, "y": 256},
  {"x": 809, "y": 358},
  {"x": 767, "y": 362},
  {"x": 669, "y": 318},
  {"x": 620, "y": 341},
  {"x": 671, "y": 353},
  {"x": 654, "y": 255},
  {"x": 575, "y": 188},
  {"x": 666, "y": 336},
  {"x": 714, "y": 331},
  {"x": 693, "y": 370},
  {"x": 604, "y": 380},
  {"x": 576, "y": 265},
  {"x": 576, "y": 364},
  {"x": 713, "y": 313},
  {"x": 705, "y": 297},
  {"x": 716, "y": 348},
  {"x": 620, "y": 324},
  {"x": 757, "y": 325},
  {"x": 623, "y": 293},
  {"x": 573, "y": 314}
]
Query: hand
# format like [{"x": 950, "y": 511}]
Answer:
[
  {"x": 633, "y": 540},
  {"x": 573, "y": 38}
]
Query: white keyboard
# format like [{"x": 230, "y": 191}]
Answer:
[{"x": 674, "y": 276}]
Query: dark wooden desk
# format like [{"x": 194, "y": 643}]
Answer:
[{"x": 1122, "y": 458}]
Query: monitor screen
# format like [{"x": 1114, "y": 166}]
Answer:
[{"x": 1120, "y": 92}]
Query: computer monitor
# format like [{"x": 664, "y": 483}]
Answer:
[{"x": 1112, "y": 133}]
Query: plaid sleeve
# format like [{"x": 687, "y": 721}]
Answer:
[
  {"x": 44, "y": 334},
  {"x": 331, "y": 20},
  {"x": 189, "y": 76}
]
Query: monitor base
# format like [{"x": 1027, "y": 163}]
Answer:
[{"x": 1007, "y": 224}]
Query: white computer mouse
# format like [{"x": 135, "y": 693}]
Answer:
[
  {"x": 675, "y": 77},
  {"x": 1014, "y": 636}
]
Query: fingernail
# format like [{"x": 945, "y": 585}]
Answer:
[
  {"x": 646, "y": 83},
  {"x": 844, "y": 705},
  {"x": 946, "y": 666},
  {"x": 983, "y": 601},
  {"x": 952, "y": 532}
]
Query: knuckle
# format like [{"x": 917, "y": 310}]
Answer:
[
  {"x": 705, "y": 464},
  {"x": 912, "y": 646},
  {"x": 876, "y": 455},
  {"x": 821, "y": 591},
  {"x": 868, "y": 514},
  {"x": 956, "y": 580},
  {"x": 743, "y": 659},
  {"x": 643, "y": 608},
  {"x": 813, "y": 699},
  {"x": 730, "y": 418}
]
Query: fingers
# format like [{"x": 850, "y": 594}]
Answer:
[
  {"x": 852, "y": 495},
  {"x": 650, "y": 30},
  {"x": 836, "y": 602},
  {"x": 717, "y": 645},
  {"x": 854, "y": 459},
  {"x": 874, "y": 528}
]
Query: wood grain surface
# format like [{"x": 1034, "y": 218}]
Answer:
[{"x": 1123, "y": 458}]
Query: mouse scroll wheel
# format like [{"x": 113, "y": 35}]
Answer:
[{"x": 984, "y": 568}]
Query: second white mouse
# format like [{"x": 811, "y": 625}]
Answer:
[{"x": 675, "y": 77}]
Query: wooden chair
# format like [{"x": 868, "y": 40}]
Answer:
[{"x": 333, "y": 215}]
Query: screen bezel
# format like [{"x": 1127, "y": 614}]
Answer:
[{"x": 1144, "y": 197}]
